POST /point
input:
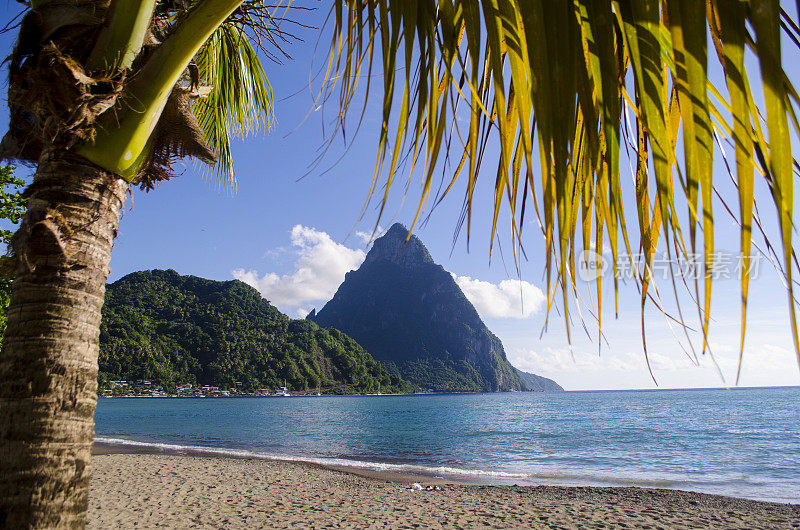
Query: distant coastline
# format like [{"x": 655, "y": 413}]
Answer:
[
  {"x": 305, "y": 394},
  {"x": 432, "y": 393}
]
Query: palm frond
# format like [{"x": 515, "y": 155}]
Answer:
[
  {"x": 236, "y": 97},
  {"x": 556, "y": 75}
]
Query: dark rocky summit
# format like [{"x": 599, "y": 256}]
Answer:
[{"x": 410, "y": 314}]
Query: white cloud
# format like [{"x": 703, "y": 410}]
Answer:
[
  {"x": 321, "y": 264},
  {"x": 367, "y": 238},
  {"x": 564, "y": 359},
  {"x": 508, "y": 299},
  {"x": 319, "y": 270},
  {"x": 627, "y": 368},
  {"x": 759, "y": 359}
]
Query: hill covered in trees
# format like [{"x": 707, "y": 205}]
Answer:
[
  {"x": 537, "y": 383},
  {"x": 170, "y": 329}
]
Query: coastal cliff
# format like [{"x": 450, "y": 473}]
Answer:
[{"x": 537, "y": 383}]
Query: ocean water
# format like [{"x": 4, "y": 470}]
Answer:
[{"x": 740, "y": 442}]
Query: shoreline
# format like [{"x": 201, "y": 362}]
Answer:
[
  {"x": 103, "y": 449},
  {"x": 146, "y": 489},
  {"x": 430, "y": 475}
]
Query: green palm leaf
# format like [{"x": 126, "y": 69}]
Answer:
[{"x": 236, "y": 97}]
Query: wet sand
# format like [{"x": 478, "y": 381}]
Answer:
[{"x": 136, "y": 490}]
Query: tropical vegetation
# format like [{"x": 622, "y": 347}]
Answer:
[
  {"x": 170, "y": 330},
  {"x": 12, "y": 207},
  {"x": 103, "y": 94}
]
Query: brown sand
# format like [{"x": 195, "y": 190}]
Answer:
[{"x": 174, "y": 491}]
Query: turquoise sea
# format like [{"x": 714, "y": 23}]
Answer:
[{"x": 740, "y": 442}]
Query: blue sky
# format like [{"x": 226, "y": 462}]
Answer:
[{"x": 293, "y": 234}]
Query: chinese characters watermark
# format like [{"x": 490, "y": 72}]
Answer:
[{"x": 718, "y": 265}]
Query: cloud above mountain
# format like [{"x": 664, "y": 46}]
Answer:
[
  {"x": 507, "y": 299},
  {"x": 318, "y": 271},
  {"x": 367, "y": 238},
  {"x": 321, "y": 263}
]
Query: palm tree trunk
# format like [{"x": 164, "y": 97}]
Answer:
[{"x": 48, "y": 364}]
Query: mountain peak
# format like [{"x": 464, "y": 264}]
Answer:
[
  {"x": 398, "y": 228},
  {"x": 411, "y": 315},
  {"x": 393, "y": 247}
]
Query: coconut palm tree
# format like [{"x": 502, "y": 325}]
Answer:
[{"x": 103, "y": 95}]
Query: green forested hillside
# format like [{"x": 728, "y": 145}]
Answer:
[
  {"x": 537, "y": 383},
  {"x": 171, "y": 329}
]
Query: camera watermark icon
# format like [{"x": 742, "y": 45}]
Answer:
[
  {"x": 719, "y": 265},
  {"x": 591, "y": 265}
]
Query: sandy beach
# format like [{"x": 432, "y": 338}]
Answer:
[{"x": 176, "y": 491}]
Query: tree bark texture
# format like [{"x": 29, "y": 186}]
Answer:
[{"x": 48, "y": 364}]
